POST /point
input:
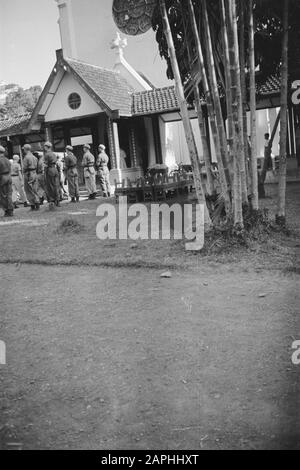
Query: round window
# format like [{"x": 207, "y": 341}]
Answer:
[{"x": 74, "y": 101}]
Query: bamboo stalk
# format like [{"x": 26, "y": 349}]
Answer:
[
  {"x": 244, "y": 91},
  {"x": 283, "y": 117},
  {"x": 189, "y": 135},
  {"x": 239, "y": 104},
  {"x": 214, "y": 93},
  {"x": 237, "y": 182},
  {"x": 254, "y": 176}
]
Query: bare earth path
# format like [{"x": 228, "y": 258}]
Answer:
[{"x": 119, "y": 358}]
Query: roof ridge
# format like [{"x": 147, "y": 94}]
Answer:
[
  {"x": 168, "y": 87},
  {"x": 67, "y": 59}
]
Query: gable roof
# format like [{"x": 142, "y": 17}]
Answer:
[
  {"x": 109, "y": 86},
  {"x": 106, "y": 87}
]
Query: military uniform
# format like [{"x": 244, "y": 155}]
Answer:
[
  {"x": 30, "y": 180},
  {"x": 52, "y": 185},
  {"x": 72, "y": 176},
  {"x": 18, "y": 191},
  {"x": 88, "y": 163},
  {"x": 5, "y": 186},
  {"x": 41, "y": 179},
  {"x": 103, "y": 173}
]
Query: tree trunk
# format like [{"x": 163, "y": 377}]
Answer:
[
  {"x": 211, "y": 110},
  {"x": 254, "y": 177},
  {"x": 238, "y": 147},
  {"x": 228, "y": 86},
  {"x": 189, "y": 135},
  {"x": 280, "y": 218},
  {"x": 244, "y": 91},
  {"x": 213, "y": 88},
  {"x": 206, "y": 153},
  {"x": 239, "y": 105}
]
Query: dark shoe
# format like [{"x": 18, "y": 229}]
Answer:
[
  {"x": 9, "y": 213},
  {"x": 41, "y": 201},
  {"x": 25, "y": 204},
  {"x": 37, "y": 207},
  {"x": 32, "y": 208},
  {"x": 73, "y": 199},
  {"x": 77, "y": 199}
]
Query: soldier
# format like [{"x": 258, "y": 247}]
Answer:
[
  {"x": 17, "y": 182},
  {"x": 5, "y": 185},
  {"x": 30, "y": 178},
  {"x": 103, "y": 171},
  {"x": 71, "y": 174},
  {"x": 88, "y": 163},
  {"x": 40, "y": 177},
  {"x": 52, "y": 184}
]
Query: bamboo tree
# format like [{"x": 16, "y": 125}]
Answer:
[
  {"x": 228, "y": 84},
  {"x": 203, "y": 134},
  {"x": 283, "y": 117},
  {"x": 238, "y": 147},
  {"x": 244, "y": 89},
  {"x": 210, "y": 187},
  {"x": 254, "y": 177},
  {"x": 239, "y": 104},
  {"x": 225, "y": 181},
  {"x": 190, "y": 139},
  {"x": 215, "y": 97}
]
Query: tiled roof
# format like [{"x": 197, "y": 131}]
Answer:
[
  {"x": 109, "y": 86},
  {"x": 162, "y": 100},
  {"x": 14, "y": 126},
  {"x": 154, "y": 101}
]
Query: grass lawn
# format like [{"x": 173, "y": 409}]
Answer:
[{"x": 38, "y": 238}]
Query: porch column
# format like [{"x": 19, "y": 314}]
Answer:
[
  {"x": 48, "y": 133},
  {"x": 111, "y": 143},
  {"x": 132, "y": 143}
]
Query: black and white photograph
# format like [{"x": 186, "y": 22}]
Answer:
[{"x": 149, "y": 228}]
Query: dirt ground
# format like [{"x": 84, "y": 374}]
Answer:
[{"x": 102, "y": 358}]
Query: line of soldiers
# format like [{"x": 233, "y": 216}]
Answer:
[{"x": 42, "y": 177}]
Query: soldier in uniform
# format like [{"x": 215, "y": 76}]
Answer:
[
  {"x": 71, "y": 173},
  {"x": 40, "y": 177},
  {"x": 88, "y": 163},
  {"x": 52, "y": 184},
  {"x": 103, "y": 171},
  {"x": 5, "y": 185},
  {"x": 17, "y": 182},
  {"x": 30, "y": 178}
]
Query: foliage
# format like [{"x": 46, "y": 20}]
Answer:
[{"x": 20, "y": 101}]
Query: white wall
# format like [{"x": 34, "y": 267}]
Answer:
[
  {"x": 265, "y": 120},
  {"x": 59, "y": 108},
  {"x": 174, "y": 143}
]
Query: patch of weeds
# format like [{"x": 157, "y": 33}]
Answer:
[{"x": 70, "y": 226}]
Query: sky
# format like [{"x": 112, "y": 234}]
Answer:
[{"x": 29, "y": 36}]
